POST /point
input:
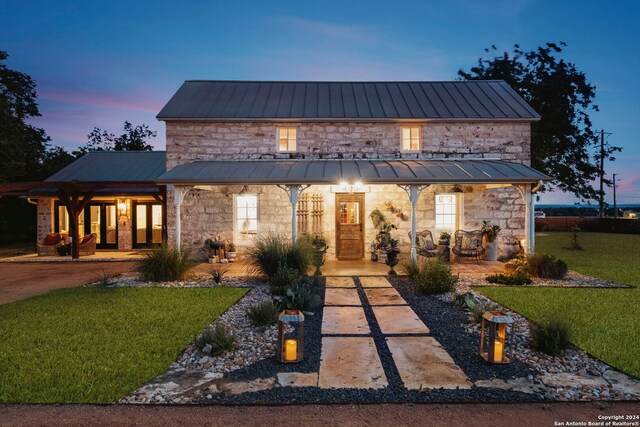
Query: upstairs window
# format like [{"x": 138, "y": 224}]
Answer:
[
  {"x": 287, "y": 140},
  {"x": 411, "y": 138}
]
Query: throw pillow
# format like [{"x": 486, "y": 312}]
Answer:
[{"x": 52, "y": 239}]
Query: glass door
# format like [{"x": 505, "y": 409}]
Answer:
[
  {"x": 147, "y": 224},
  {"x": 98, "y": 218}
]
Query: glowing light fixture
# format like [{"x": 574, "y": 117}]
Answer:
[{"x": 494, "y": 328}]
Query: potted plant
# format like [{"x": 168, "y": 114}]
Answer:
[
  {"x": 392, "y": 256},
  {"x": 319, "y": 245},
  {"x": 230, "y": 252},
  {"x": 489, "y": 234}
]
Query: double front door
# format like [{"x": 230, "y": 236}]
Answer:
[
  {"x": 97, "y": 218},
  {"x": 349, "y": 226}
]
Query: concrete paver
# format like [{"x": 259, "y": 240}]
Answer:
[
  {"x": 345, "y": 321},
  {"x": 399, "y": 320},
  {"x": 375, "y": 282},
  {"x": 340, "y": 282},
  {"x": 384, "y": 296},
  {"x": 423, "y": 364},
  {"x": 341, "y": 296},
  {"x": 350, "y": 362}
]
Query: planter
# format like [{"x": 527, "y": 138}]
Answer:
[
  {"x": 382, "y": 257},
  {"x": 491, "y": 251},
  {"x": 318, "y": 261},
  {"x": 231, "y": 256},
  {"x": 392, "y": 261},
  {"x": 213, "y": 260}
]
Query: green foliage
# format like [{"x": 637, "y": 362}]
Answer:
[
  {"x": 561, "y": 142},
  {"x": 166, "y": 263},
  {"x": 435, "y": 277},
  {"x": 283, "y": 278},
  {"x": 218, "y": 272},
  {"x": 377, "y": 218},
  {"x": 574, "y": 244},
  {"x": 516, "y": 279},
  {"x": 303, "y": 295},
  {"x": 264, "y": 314},
  {"x": 134, "y": 138},
  {"x": 551, "y": 337},
  {"x": 546, "y": 266},
  {"x": 230, "y": 247},
  {"x": 445, "y": 236},
  {"x": 220, "y": 338},
  {"x": 271, "y": 252},
  {"x": 95, "y": 346},
  {"x": 491, "y": 231},
  {"x": 411, "y": 267},
  {"x": 475, "y": 307}
]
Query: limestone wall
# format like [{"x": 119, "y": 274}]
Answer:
[
  {"x": 45, "y": 218},
  {"x": 188, "y": 141}
]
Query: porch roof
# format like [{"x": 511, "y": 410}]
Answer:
[{"x": 367, "y": 171}]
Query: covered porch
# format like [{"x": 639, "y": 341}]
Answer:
[{"x": 210, "y": 200}]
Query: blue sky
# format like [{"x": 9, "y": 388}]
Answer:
[{"x": 101, "y": 63}]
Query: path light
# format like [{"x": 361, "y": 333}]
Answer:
[
  {"x": 290, "y": 336},
  {"x": 496, "y": 333}
]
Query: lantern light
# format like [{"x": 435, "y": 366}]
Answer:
[
  {"x": 290, "y": 336},
  {"x": 496, "y": 333},
  {"x": 123, "y": 207}
]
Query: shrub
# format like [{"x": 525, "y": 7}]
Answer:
[
  {"x": 303, "y": 295},
  {"x": 516, "y": 279},
  {"x": 435, "y": 277},
  {"x": 411, "y": 267},
  {"x": 574, "y": 244},
  {"x": 272, "y": 251},
  {"x": 218, "y": 272},
  {"x": 283, "y": 278},
  {"x": 264, "y": 314},
  {"x": 220, "y": 338},
  {"x": 166, "y": 263},
  {"x": 551, "y": 337},
  {"x": 539, "y": 265},
  {"x": 546, "y": 266},
  {"x": 475, "y": 308}
]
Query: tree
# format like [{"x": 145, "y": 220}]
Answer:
[
  {"x": 134, "y": 138},
  {"x": 563, "y": 142}
]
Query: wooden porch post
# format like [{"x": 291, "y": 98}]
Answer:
[{"x": 74, "y": 206}]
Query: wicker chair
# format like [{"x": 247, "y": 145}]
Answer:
[
  {"x": 49, "y": 249},
  {"x": 425, "y": 246},
  {"x": 468, "y": 244},
  {"x": 87, "y": 245}
]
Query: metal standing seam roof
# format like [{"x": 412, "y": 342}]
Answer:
[
  {"x": 107, "y": 166},
  {"x": 366, "y": 171},
  {"x": 220, "y": 100}
]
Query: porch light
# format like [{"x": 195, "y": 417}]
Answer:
[
  {"x": 290, "y": 336},
  {"x": 123, "y": 206},
  {"x": 494, "y": 328}
]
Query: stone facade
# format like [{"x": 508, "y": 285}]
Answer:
[
  {"x": 188, "y": 141},
  {"x": 45, "y": 218}
]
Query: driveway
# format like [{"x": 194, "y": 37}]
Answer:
[{"x": 23, "y": 280}]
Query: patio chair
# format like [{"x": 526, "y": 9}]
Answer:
[
  {"x": 468, "y": 244},
  {"x": 49, "y": 245},
  {"x": 87, "y": 244},
  {"x": 425, "y": 246}
]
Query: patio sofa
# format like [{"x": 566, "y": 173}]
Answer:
[{"x": 49, "y": 245}]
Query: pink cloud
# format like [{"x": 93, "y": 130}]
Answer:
[{"x": 102, "y": 101}]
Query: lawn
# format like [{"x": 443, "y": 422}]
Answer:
[
  {"x": 604, "y": 322},
  {"x": 97, "y": 345}
]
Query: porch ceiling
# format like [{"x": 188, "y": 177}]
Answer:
[{"x": 367, "y": 171}]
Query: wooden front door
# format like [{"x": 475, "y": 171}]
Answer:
[{"x": 350, "y": 226}]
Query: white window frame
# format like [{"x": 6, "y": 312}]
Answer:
[
  {"x": 295, "y": 140},
  {"x": 420, "y": 130},
  {"x": 458, "y": 215},
  {"x": 236, "y": 230}
]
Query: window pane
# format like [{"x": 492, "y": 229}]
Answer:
[
  {"x": 414, "y": 133},
  {"x": 94, "y": 215},
  {"x": 156, "y": 224},
  {"x": 292, "y": 133},
  {"x": 111, "y": 223},
  {"x": 287, "y": 139},
  {"x": 246, "y": 218},
  {"x": 141, "y": 224},
  {"x": 406, "y": 133},
  {"x": 446, "y": 217}
]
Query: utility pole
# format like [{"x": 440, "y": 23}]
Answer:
[
  {"x": 615, "y": 204},
  {"x": 602, "y": 174}
]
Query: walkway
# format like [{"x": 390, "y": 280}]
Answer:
[
  {"x": 23, "y": 280},
  {"x": 350, "y": 356}
]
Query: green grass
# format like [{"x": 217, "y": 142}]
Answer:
[
  {"x": 97, "y": 345},
  {"x": 604, "y": 322}
]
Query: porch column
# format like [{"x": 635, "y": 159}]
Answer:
[
  {"x": 413, "y": 191},
  {"x": 529, "y": 228},
  {"x": 178, "y": 196},
  {"x": 294, "y": 191}
]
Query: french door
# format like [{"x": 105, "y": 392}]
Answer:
[
  {"x": 147, "y": 224},
  {"x": 98, "y": 218}
]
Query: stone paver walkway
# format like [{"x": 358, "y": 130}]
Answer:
[{"x": 354, "y": 362}]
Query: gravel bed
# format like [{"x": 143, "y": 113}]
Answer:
[{"x": 571, "y": 280}]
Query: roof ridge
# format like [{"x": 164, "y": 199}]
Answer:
[{"x": 338, "y": 81}]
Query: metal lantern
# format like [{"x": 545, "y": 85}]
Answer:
[
  {"x": 496, "y": 332},
  {"x": 290, "y": 336}
]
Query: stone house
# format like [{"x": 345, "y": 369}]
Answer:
[{"x": 246, "y": 159}]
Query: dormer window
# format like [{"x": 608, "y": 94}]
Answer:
[
  {"x": 411, "y": 139},
  {"x": 287, "y": 139}
]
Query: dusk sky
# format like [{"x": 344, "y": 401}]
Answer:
[{"x": 101, "y": 63}]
